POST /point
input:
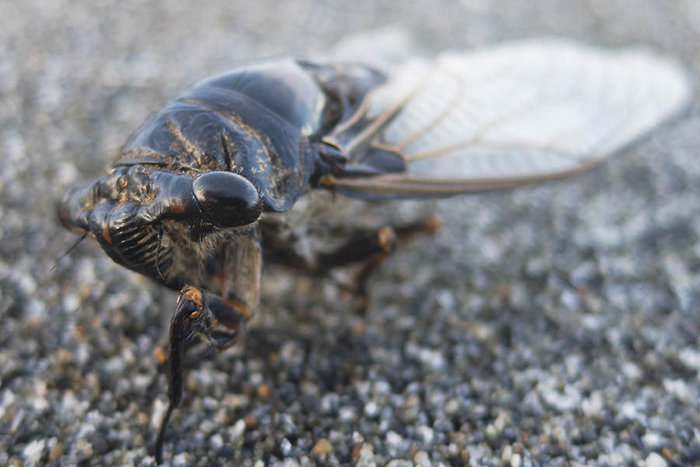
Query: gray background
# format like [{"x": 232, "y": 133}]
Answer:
[{"x": 549, "y": 325}]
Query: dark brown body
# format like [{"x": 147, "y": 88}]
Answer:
[
  {"x": 252, "y": 160},
  {"x": 265, "y": 123}
]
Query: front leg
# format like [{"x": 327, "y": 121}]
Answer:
[
  {"x": 198, "y": 314},
  {"x": 218, "y": 320}
]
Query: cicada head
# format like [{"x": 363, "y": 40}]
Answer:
[{"x": 157, "y": 222}]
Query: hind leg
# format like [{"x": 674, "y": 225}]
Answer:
[{"x": 368, "y": 247}]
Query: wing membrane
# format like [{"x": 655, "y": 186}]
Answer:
[{"x": 519, "y": 113}]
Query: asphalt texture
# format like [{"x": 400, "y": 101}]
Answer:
[{"x": 555, "y": 325}]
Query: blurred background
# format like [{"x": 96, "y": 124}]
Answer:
[{"x": 553, "y": 325}]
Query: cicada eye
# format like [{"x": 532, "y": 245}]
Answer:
[{"x": 227, "y": 199}]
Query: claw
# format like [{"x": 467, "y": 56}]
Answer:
[
  {"x": 215, "y": 321},
  {"x": 207, "y": 353},
  {"x": 190, "y": 336},
  {"x": 189, "y": 303}
]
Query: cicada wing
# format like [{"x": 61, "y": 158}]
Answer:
[{"x": 516, "y": 114}]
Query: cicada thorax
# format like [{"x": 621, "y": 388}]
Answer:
[
  {"x": 261, "y": 122},
  {"x": 215, "y": 125},
  {"x": 264, "y": 122}
]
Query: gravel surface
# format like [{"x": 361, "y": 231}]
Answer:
[{"x": 555, "y": 325}]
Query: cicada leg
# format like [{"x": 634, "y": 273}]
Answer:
[
  {"x": 216, "y": 319},
  {"x": 374, "y": 246},
  {"x": 368, "y": 246},
  {"x": 401, "y": 234}
]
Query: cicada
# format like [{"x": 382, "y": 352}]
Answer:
[{"x": 264, "y": 159}]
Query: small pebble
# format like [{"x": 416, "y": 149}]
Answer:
[
  {"x": 32, "y": 452},
  {"x": 322, "y": 447},
  {"x": 655, "y": 460}
]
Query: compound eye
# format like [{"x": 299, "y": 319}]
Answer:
[{"x": 227, "y": 199}]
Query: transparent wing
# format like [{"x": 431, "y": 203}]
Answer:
[{"x": 515, "y": 114}]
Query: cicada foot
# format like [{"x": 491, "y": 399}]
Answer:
[{"x": 199, "y": 314}]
